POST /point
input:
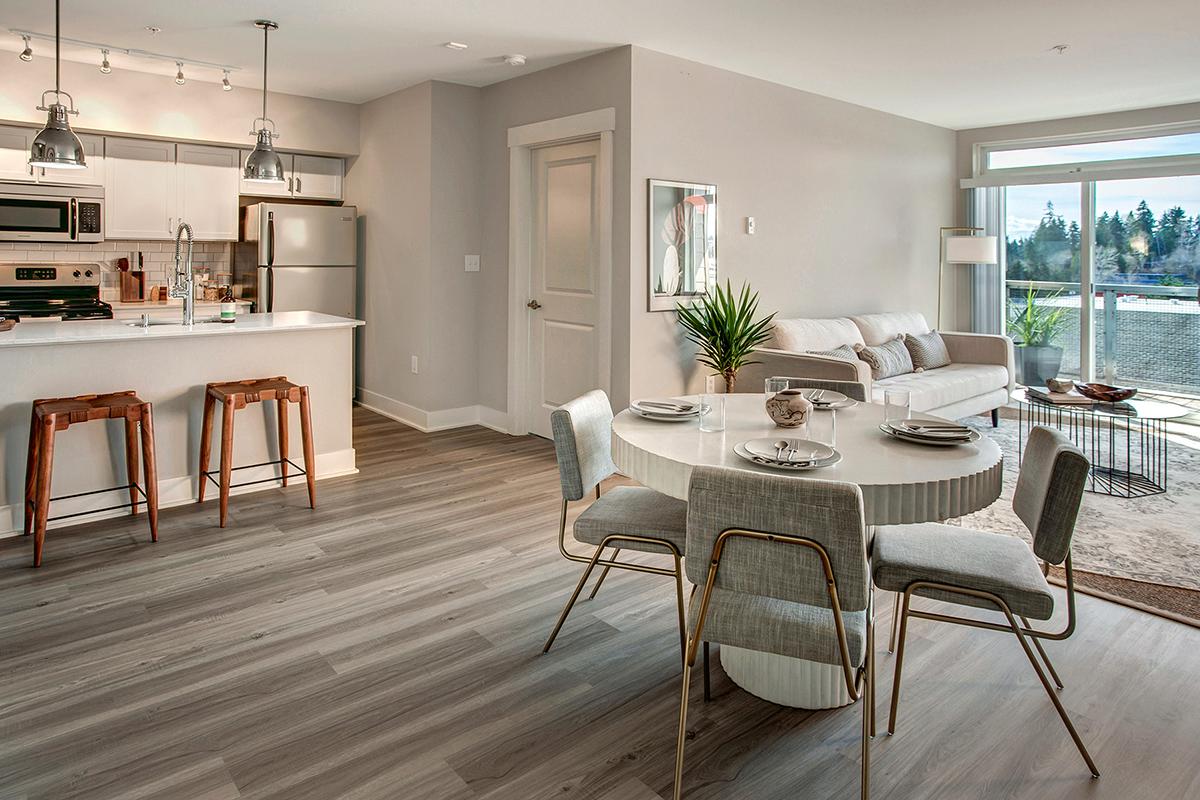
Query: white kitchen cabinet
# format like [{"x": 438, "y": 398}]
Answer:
[
  {"x": 91, "y": 175},
  {"x": 14, "y": 153},
  {"x": 317, "y": 177},
  {"x": 207, "y": 185},
  {"x": 307, "y": 177},
  {"x": 140, "y": 189},
  {"x": 264, "y": 188}
]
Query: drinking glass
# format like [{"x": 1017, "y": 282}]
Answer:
[
  {"x": 895, "y": 405},
  {"x": 775, "y": 385},
  {"x": 712, "y": 412}
]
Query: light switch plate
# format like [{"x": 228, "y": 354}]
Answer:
[
  {"x": 750, "y": 225},
  {"x": 471, "y": 263}
]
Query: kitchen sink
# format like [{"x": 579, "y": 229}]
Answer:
[{"x": 154, "y": 323}]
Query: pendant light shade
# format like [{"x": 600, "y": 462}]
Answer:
[
  {"x": 264, "y": 164},
  {"x": 57, "y": 146}
]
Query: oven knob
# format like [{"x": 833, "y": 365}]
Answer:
[
  {"x": 76, "y": 273},
  {"x": 88, "y": 274}
]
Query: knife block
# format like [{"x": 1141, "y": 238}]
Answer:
[{"x": 133, "y": 286}]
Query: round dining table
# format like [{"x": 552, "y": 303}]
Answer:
[{"x": 901, "y": 482}]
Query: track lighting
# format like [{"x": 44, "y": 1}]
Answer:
[
  {"x": 27, "y": 53},
  {"x": 225, "y": 84},
  {"x": 105, "y": 67},
  {"x": 179, "y": 73}
]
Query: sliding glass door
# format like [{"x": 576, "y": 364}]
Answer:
[
  {"x": 1043, "y": 257},
  {"x": 1146, "y": 264}
]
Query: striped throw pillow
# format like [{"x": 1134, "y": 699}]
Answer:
[
  {"x": 888, "y": 359},
  {"x": 928, "y": 350},
  {"x": 844, "y": 352}
]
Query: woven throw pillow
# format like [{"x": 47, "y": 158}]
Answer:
[
  {"x": 928, "y": 350},
  {"x": 888, "y": 359},
  {"x": 844, "y": 352}
]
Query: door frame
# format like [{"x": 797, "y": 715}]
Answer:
[{"x": 522, "y": 140}]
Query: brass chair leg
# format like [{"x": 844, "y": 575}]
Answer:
[
  {"x": 895, "y": 617},
  {"x": 899, "y": 666},
  {"x": 683, "y": 702},
  {"x": 1058, "y": 706},
  {"x": 1037, "y": 643},
  {"x": 707, "y": 678},
  {"x": 604, "y": 574},
  {"x": 683, "y": 636},
  {"x": 574, "y": 596},
  {"x": 868, "y": 724}
]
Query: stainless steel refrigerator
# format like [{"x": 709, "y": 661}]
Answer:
[{"x": 294, "y": 257}]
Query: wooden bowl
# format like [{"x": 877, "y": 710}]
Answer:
[{"x": 1105, "y": 393}]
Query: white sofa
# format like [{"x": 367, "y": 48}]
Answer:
[{"x": 979, "y": 378}]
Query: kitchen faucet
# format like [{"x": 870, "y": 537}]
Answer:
[{"x": 183, "y": 282}]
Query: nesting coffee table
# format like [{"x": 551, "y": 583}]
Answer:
[{"x": 1126, "y": 442}]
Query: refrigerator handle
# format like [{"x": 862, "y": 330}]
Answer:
[
  {"x": 270, "y": 289},
  {"x": 270, "y": 238}
]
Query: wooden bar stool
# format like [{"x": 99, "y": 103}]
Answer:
[
  {"x": 234, "y": 396},
  {"x": 49, "y": 417}
]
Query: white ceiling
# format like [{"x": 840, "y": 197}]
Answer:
[{"x": 955, "y": 63}]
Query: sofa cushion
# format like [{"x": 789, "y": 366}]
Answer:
[
  {"x": 928, "y": 351},
  {"x": 888, "y": 359},
  {"x": 844, "y": 352},
  {"x": 802, "y": 335},
  {"x": 936, "y": 388},
  {"x": 875, "y": 329}
]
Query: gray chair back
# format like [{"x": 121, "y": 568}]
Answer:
[
  {"x": 1049, "y": 491},
  {"x": 828, "y": 512},
  {"x": 583, "y": 443},
  {"x": 852, "y": 389}
]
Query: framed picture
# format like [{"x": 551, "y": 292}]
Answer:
[{"x": 682, "y": 242}]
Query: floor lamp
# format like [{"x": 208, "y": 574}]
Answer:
[{"x": 963, "y": 246}]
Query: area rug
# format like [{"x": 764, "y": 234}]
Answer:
[{"x": 1145, "y": 550}]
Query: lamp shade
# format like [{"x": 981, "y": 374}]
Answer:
[
  {"x": 263, "y": 164},
  {"x": 971, "y": 250}
]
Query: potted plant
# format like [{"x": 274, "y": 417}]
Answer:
[
  {"x": 722, "y": 325},
  {"x": 1034, "y": 327}
]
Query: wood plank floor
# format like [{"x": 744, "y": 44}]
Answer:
[{"x": 387, "y": 646}]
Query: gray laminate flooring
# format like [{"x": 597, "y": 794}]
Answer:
[{"x": 388, "y": 645}]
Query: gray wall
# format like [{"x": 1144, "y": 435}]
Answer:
[
  {"x": 848, "y": 200},
  {"x": 600, "y": 81}
]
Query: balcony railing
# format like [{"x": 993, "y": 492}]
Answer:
[{"x": 1145, "y": 335}]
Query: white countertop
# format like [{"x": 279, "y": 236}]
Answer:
[
  {"x": 160, "y": 305},
  {"x": 26, "y": 334}
]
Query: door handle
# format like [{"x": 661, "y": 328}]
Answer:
[{"x": 534, "y": 304}]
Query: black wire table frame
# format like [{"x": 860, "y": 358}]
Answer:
[{"x": 1126, "y": 443}]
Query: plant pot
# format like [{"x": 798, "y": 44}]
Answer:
[{"x": 1036, "y": 363}]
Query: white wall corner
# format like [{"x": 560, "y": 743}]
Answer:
[{"x": 431, "y": 421}]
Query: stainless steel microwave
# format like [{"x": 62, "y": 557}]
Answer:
[{"x": 46, "y": 213}]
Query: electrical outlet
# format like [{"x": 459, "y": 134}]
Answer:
[
  {"x": 750, "y": 225},
  {"x": 471, "y": 263},
  {"x": 415, "y": 369}
]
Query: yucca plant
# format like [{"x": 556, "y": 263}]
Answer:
[
  {"x": 1034, "y": 325},
  {"x": 722, "y": 325}
]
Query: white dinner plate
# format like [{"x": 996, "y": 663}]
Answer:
[
  {"x": 829, "y": 399},
  {"x": 664, "y": 417},
  {"x": 799, "y": 466},
  {"x": 804, "y": 449},
  {"x": 647, "y": 408},
  {"x": 939, "y": 441}
]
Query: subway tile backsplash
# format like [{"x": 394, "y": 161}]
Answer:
[{"x": 158, "y": 257}]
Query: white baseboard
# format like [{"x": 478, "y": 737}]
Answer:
[
  {"x": 171, "y": 492},
  {"x": 430, "y": 421}
]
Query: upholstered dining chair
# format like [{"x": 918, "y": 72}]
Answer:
[
  {"x": 994, "y": 571},
  {"x": 782, "y": 564},
  {"x": 627, "y": 517},
  {"x": 852, "y": 389}
]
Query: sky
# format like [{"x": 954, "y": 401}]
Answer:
[{"x": 1025, "y": 205}]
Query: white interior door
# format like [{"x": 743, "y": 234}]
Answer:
[{"x": 564, "y": 303}]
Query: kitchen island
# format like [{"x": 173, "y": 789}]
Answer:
[{"x": 168, "y": 365}]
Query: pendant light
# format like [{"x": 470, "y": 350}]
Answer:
[
  {"x": 263, "y": 164},
  {"x": 57, "y": 146}
]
